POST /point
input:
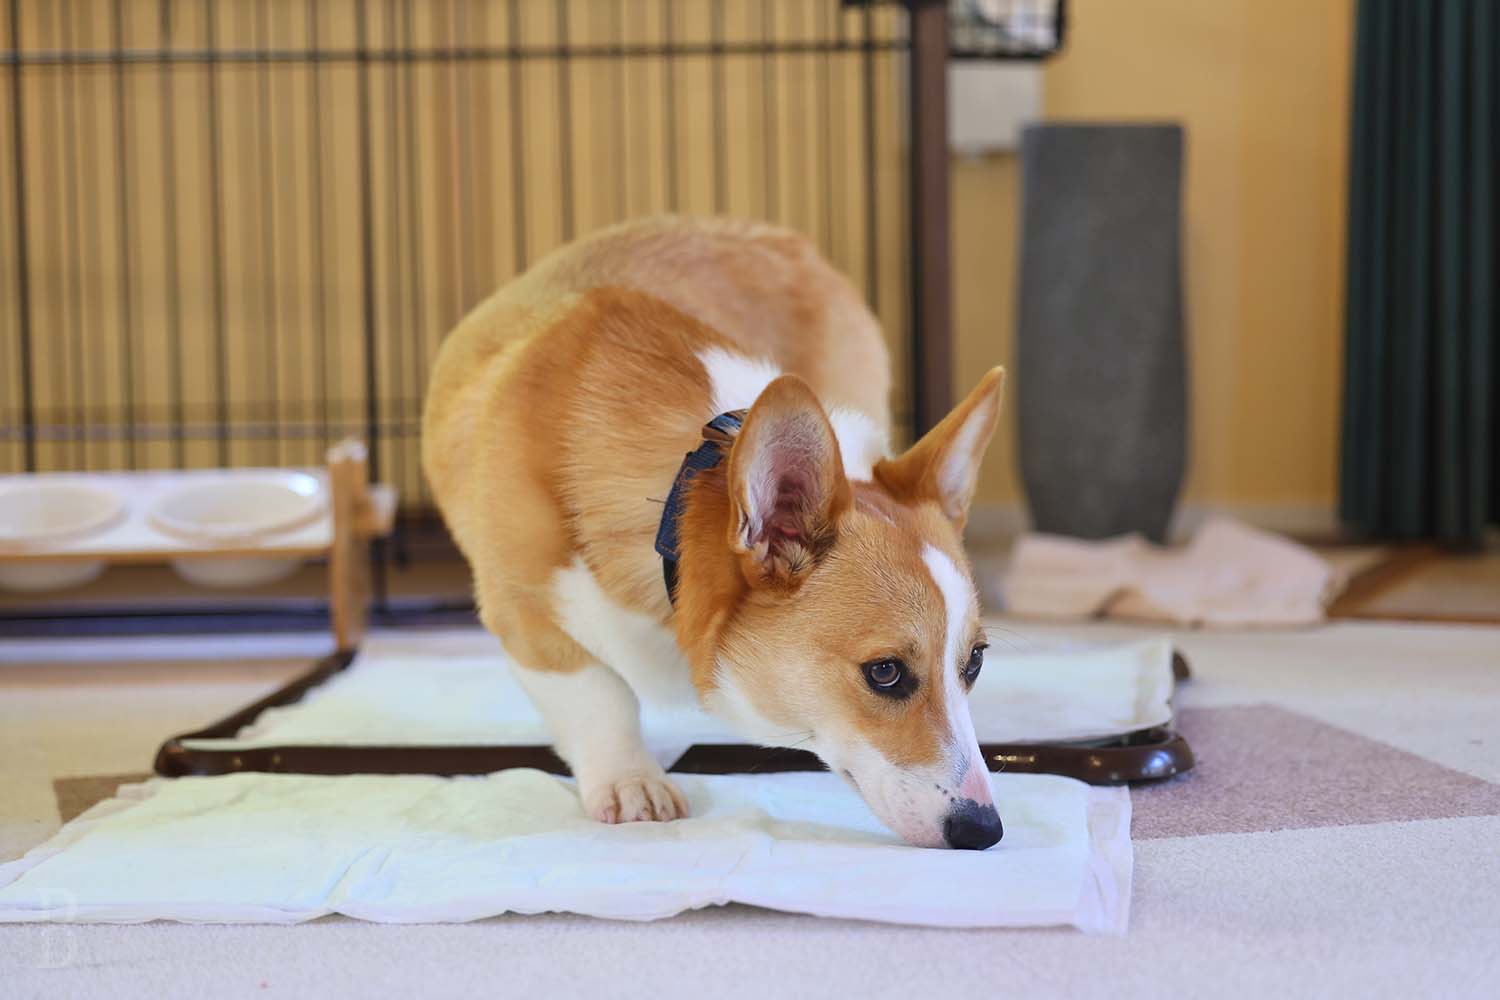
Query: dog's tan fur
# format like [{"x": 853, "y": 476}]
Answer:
[{"x": 558, "y": 414}]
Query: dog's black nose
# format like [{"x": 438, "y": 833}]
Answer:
[{"x": 972, "y": 827}]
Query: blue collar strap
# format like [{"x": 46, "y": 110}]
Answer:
[{"x": 718, "y": 435}]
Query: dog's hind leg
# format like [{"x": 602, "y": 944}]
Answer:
[{"x": 595, "y": 723}]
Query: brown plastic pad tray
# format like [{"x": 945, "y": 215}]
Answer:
[{"x": 1146, "y": 755}]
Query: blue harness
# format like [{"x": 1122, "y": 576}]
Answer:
[{"x": 718, "y": 435}]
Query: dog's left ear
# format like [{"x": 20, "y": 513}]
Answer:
[
  {"x": 787, "y": 487},
  {"x": 943, "y": 467}
]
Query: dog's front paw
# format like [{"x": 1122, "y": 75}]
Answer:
[{"x": 631, "y": 798}]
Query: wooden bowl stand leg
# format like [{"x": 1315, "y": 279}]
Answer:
[{"x": 349, "y": 558}]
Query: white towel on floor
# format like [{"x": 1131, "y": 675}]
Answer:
[
  {"x": 450, "y": 686},
  {"x": 1229, "y": 574},
  {"x": 287, "y": 848}
]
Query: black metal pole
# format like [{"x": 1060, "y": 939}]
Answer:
[
  {"x": 127, "y": 305},
  {"x": 565, "y": 126},
  {"x": 367, "y": 272},
  {"x": 23, "y": 271},
  {"x": 166, "y": 96},
  {"x": 931, "y": 279},
  {"x": 367, "y": 253},
  {"x": 216, "y": 228}
]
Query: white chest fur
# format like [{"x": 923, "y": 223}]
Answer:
[
  {"x": 737, "y": 381},
  {"x": 636, "y": 646}
]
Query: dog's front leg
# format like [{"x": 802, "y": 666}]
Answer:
[{"x": 595, "y": 723}]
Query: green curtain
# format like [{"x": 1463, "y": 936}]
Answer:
[{"x": 1421, "y": 440}]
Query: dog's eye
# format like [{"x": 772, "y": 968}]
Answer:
[
  {"x": 975, "y": 664},
  {"x": 885, "y": 676}
]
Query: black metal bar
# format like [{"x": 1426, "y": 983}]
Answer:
[
  {"x": 439, "y": 55},
  {"x": 23, "y": 262},
  {"x": 445, "y": 87},
  {"x": 288, "y": 320},
  {"x": 517, "y": 157},
  {"x": 669, "y": 107},
  {"x": 53, "y": 180},
  {"x": 75, "y": 275},
  {"x": 837, "y": 149},
  {"x": 200, "y": 413},
  {"x": 980, "y": 55},
  {"x": 317, "y": 220},
  {"x": 621, "y": 143},
  {"x": 414, "y": 230},
  {"x": 246, "y": 430},
  {"x": 253, "y": 407},
  {"x": 717, "y": 50},
  {"x": 825, "y": 131},
  {"x": 169, "y": 242},
  {"x": 367, "y": 252},
  {"x": 395, "y": 236},
  {"x": 798, "y": 98},
  {"x": 216, "y": 227},
  {"x": 380, "y": 588},
  {"x": 931, "y": 281},
  {"x": 768, "y": 115},
  {"x": 280, "y": 616},
  {"x": 157, "y": 621},
  {"x": 564, "y": 122},
  {"x": 465, "y": 177},
  {"x": 871, "y": 165},
  {"x": 122, "y": 153},
  {"x": 93, "y": 242},
  {"x": 269, "y": 334},
  {"x": 372, "y": 360}
]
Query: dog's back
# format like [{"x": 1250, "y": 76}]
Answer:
[{"x": 559, "y": 409}]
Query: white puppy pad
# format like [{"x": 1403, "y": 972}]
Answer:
[
  {"x": 268, "y": 848},
  {"x": 451, "y": 686}
]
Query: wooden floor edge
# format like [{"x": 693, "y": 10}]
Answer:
[{"x": 1373, "y": 583}]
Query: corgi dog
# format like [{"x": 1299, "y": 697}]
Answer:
[{"x": 790, "y": 577}]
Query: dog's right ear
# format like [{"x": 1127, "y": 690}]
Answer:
[
  {"x": 943, "y": 467},
  {"x": 787, "y": 487}
]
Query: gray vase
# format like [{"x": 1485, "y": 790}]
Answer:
[{"x": 1100, "y": 373}]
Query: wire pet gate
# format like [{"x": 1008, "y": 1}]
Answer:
[
  {"x": 235, "y": 232},
  {"x": 239, "y": 230}
]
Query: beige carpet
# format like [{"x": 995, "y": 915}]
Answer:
[{"x": 1338, "y": 839}]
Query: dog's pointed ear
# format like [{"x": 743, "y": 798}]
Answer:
[
  {"x": 943, "y": 467},
  {"x": 787, "y": 487}
]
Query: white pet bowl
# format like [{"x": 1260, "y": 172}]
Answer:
[
  {"x": 248, "y": 572},
  {"x": 238, "y": 507},
  {"x": 36, "y": 577},
  {"x": 40, "y": 512},
  {"x": 37, "y": 513},
  {"x": 234, "y": 507}
]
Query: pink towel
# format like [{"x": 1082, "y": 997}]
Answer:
[{"x": 1229, "y": 574}]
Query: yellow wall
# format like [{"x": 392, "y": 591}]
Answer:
[{"x": 1262, "y": 88}]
